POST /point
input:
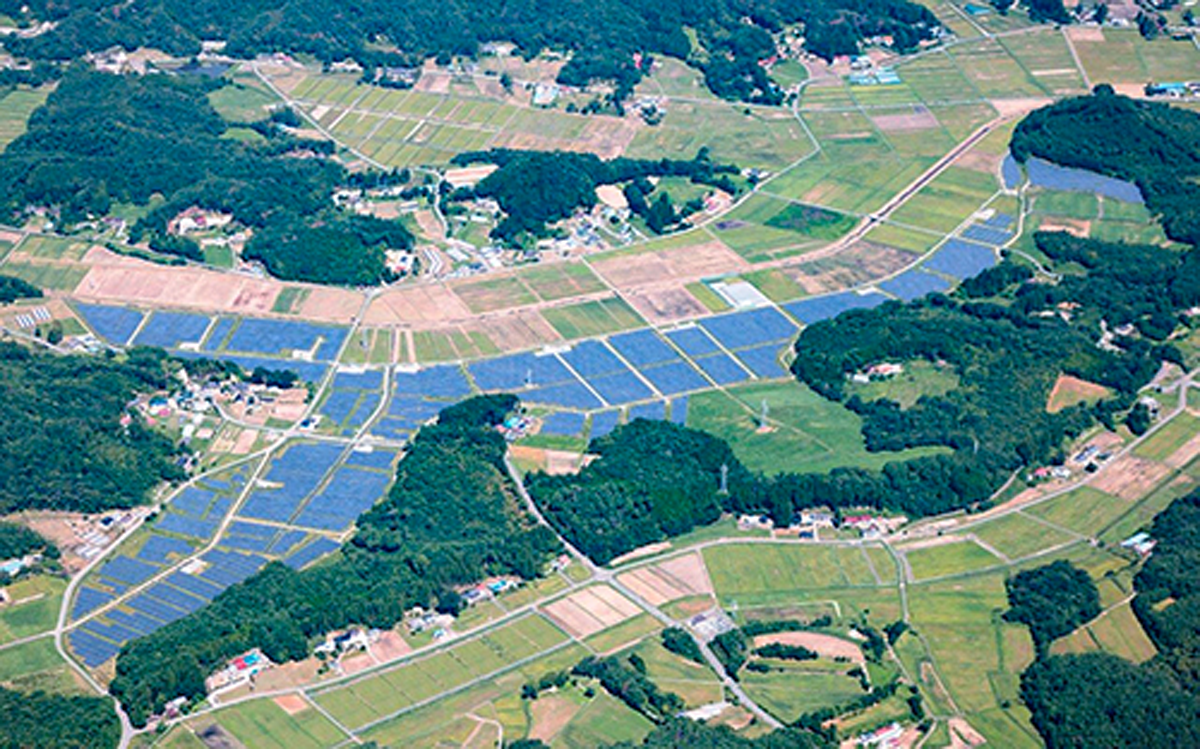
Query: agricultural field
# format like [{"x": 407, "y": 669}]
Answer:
[
  {"x": 949, "y": 559},
  {"x": 34, "y": 608},
  {"x": 15, "y": 107},
  {"x": 761, "y": 574}
]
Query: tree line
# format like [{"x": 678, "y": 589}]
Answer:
[
  {"x": 603, "y": 37},
  {"x": 450, "y": 519},
  {"x": 39, "y": 720},
  {"x": 101, "y": 140}
]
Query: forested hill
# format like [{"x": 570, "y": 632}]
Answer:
[
  {"x": 62, "y": 446},
  {"x": 604, "y": 35},
  {"x": 103, "y": 139},
  {"x": 450, "y": 519},
  {"x": 1154, "y": 145}
]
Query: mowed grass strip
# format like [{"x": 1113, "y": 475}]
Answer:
[
  {"x": 592, "y": 318},
  {"x": 759, "y": 574},
  {"x": 1085, "y": 510},
  {"x": 1017, "y": 537},
  {"x": 262, "y": 723},
  {"x": 1170, "y": 437},
  {"x": 949, "y": 559},
  {"x": 1116, "y": 631}
]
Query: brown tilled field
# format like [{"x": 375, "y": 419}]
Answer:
[
  {"x": 628, "y": 271},
  {"x": 1130, "y": 477},
  {"x": 857, "y": 264},
  {"x": 424, "y": 306},
  {"x": 666, "y": 303},
  {"x": 195, "y": 288}
]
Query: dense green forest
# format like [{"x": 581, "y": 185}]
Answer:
[
  {"x": 101, "y": 140},
  {"x": 50, "y": 721},
  {"x": 16, "y": 541},
  {"x": 1099, "y": 699},
  {"x": 1052, "y": 600},
  {"x": 535, "y": 188},
  {"x": 13, "y": 288},
  {"x": 1154, "y": 145},
  {"x": 603, "y": 35},
  {"x": 62, "y": 446},
  {"x": 451, "y": 518},
  {"x": 682, "y": 733}
]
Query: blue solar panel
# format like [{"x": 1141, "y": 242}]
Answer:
[
  {"x": 115, "y": 632},
  {"x": 275, "y": 337},
  {"x": 570, "y": 395},
  {"x": 564, "y": 423},
  {"x": 318, "y": 548},
  {"x": 642, "y": 348},
  {"x": 193, "y": 501},
  {"x": 961, "y": 259},
  {"x": 592, "y": 358},
  {"x": 604, "y": 422},
  {"x": 155, "y": 608},
  {"x": 139, "y": 623},
  {"x": 391, "y": 428},
  {"x": 246, "y": 543},
  {"x": 371, "y": 379},
  {"x": 269, "y": 505},
  {"x": 381, "y": 459},
  {"x": 158, "y": 548},
  {"x": 193, "y": 584},
  {"x": 186, "y": 526},
  {"x": 620, "y": 388},
  {"x": 219, "y": 333},
  {"x": 92, "y": 650},
  {"x": 339, "y": 405},
  {"x": 987, "y": 234},
  {"x": 744, "y": 329},
  {"x": 914, "y": 284},
  {"x": 175, "y": 597},
  {"x": 113, "y": 324},
  {"x": 693, "y": 341},
  {"x": 518, "y": 370},
  {"x": 654, "y": 410},
  {"x": 1010, "y": 170},
  {"x": 254, "y": 530},
  {"x": 127, "y": 570},
  {"x": 999, "y": 221},
  {"x": 444, "y": 382},
  {"x": 286, "y": 541},
  {"x": 1054, "y": 177},
  {"x": 809, "y": 311},
  {"x": 88, "y": 600},
  {"x": 722, "y": 369},
  {"x": 675, "y": 378},
  {"x": 763, "y": 361},
  {"x": 366, "y": 406},
  {"x": 679, "y": 409},
  {"x": 170, "y": 329}
]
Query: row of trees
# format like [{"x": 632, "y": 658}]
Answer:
[
  {"x": 450, "y": 519},
  {"x": 102, "y": 140},
  {"x": 13, "y": 288},
  {"x": 603, "y": 35}
]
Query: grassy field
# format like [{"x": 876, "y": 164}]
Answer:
[
  {"x": 809, "y": 432},
  {"x": 1016, "y": 536},
  {"x": 624, "y": 634},
  {"x": 918, "y": 378},
  {"x": 262, "y": 723},
  {"x": 593, "y": 318},
  {"x": 948, "y": 200},
  {"x": 696, "y": 683},
  {"x": 794, "y": 690},
  {"x": 15, "y": 108},
  {"x": 1116, "y": 631},
  {"x": 47, "y": 275},
  {"x": 1085, "y": 510},
  {"x": 1170, "y": 437},
  {"x": 42, "y": 596},
  {"x": 243, "y": 101},
  {"x": 762, "y": 574},
  {"x": 948, "y": 559},
  {"x": 36, "y": 665}
]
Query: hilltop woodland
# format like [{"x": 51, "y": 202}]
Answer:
[
  {"x": 45, "y": 721},
  {"x": 1052, "y": 601},
  {"x": 16, "y": 541},
  {"x": 536, "y": 188},
  {"x": 102, "y": 140},
  {"x": 13, "y": 288},
  {"x": 62, "y": 445},
  {"x": 1097, "y": 699},
  {"x": 605, "y": 37},
  {"x": 1151, "y": 144},
  {"x": 449, "y": 520},
  {"x": 654, "y": 480}
]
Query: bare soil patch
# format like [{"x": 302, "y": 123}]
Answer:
[
  {"x": 919, "y": 119},
  {"x": 681, "y": 263},
  {"x": 857, "y": 264},
  {"x": 550, "y": 714},
  {"x": 650, "y": 586},
  {"x": 1084, "y": 33},
  {"x": 1185, "y": 454},
  {"x": 666, "y": 304},
  {"x": 638, "y": 553},
  {"x": 962, "y": 734},
  {"x": 291, "y": 703},
  {"x": 1070, "y": 390},
  {"x": 1014, "y": 107},
  {"x": 422, "y": 306},
  {"x": 821, "y": 644},
  {"x": 688, "y": 571},
  {"x": 1130, "y": 477},
  {"x": 328, "y": 303},
  {"x": 572, "y": 616}
]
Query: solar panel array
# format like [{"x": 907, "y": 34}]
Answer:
[
  {"x": 114, "y": 324},
  {"x": 914, "y": 284},
  {"x": 961, "y": 259},
  {"x": 172, "y": 329},
  {"x": 1054, "y": 177}
]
